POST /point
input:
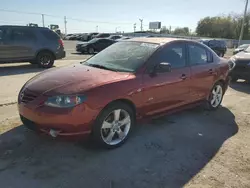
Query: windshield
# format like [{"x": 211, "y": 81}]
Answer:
[{"x": 123, "y": 56}]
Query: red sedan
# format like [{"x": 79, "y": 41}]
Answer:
[{"x": 104, "y": 95}]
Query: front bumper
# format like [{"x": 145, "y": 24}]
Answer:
[{"x": 66, "y": 122}]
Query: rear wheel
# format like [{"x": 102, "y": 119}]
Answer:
[
  {"x": 114, "y": 125},
  {"x": 215, "y": 97},
  {"x": 45, "y": 59}
]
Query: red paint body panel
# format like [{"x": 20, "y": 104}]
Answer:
[{"x": 151, "y": 95}]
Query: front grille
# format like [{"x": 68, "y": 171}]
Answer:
[{"x": 27, "y": 96}]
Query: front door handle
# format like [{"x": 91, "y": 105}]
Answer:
[{"x": 183, "y": 77}]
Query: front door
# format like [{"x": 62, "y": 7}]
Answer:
[
  {"x": 203, "y": 71},
  {"x": 165, "y": 90}
]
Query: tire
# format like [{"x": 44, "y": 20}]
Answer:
[
  {"x": 215, "y": 97},
  {"x": 91, "y": 50},
  {"x": 45, "y": 59},
  {"x": 113, "y": 133}
]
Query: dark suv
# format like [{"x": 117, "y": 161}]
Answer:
[
  {"x": 218, "y": 46},
  {"x": 36, "y": 45}
]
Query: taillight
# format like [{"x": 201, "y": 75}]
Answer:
[{"x": 61, "y": 42}]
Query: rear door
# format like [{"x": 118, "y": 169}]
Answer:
[
  {"x": 203, "y": 71},
  {"x": 22, "y": 42}
]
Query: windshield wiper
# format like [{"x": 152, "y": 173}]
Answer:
[{"x": 101, "y": 67}]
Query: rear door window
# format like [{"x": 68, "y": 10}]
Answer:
[
  {"x": 50, "y": 35},
  {"x": 198, "y": 55},
  {"x": 20, "y": 34}
]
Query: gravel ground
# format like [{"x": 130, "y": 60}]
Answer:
[{"x": 193, "y": 148}]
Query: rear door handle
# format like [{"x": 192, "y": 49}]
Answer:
[{"x": 183, "y": 77}]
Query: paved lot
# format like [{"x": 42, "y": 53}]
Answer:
[{"x": 194, "y": 148}]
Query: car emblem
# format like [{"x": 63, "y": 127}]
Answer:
[{"x": 22, "y": 95}]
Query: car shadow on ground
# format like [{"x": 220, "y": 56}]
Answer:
[
  {"x": 241, "y": 86},
  {"x": 19, "y": 69},
  {"x": 166, "y": 152}
]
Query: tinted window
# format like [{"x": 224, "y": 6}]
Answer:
[
  {"x": 197, "y": 55},
  {"x": 50, "y": 35},
  {"x": 1, "y": 33},
  {"x": 18, "y": 34},
  {"x": 173, "y": 54}
]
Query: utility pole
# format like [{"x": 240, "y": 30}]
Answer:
[
  {"x": 243, "y": 23},
  {"x": 43, "y": 20},
  {"x": 65, "y": 25},
  {"x": 141, "y": 20}
]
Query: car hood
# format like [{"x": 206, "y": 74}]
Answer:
[
  {"x": 242, "y": 55},
  {"x": 72, "y": 79}
]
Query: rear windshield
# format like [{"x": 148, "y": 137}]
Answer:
[{"x": 50, "y": 35}]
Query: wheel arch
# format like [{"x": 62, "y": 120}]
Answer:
[
  {"x": 125, "y": 101},
  {"x": 46, "y": 50}
]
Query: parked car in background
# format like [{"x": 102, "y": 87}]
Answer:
[
  {"x": 37, "y": 45},
  {"x": 241, "y": 48},
  {"x": 241, "y": 68},
  {"x": 115, "y": 37},
  {"x": 88, "y": 36},
  {"x": 101, "y": 35},
  {"x": 73, "y": 37},
  {"x": 94, "y": 45},
  {"x": 67, "y": 36},
  {"x": 123, "y": 38},
  {"x": 132, "y": 79},
  {"x": 218, "y": 46}
]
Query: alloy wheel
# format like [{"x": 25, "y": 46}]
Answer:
[
  {"x": 115, "y": 127},
  {"x": 216, "y": 96},
  {"x": 45, "y": 60}
]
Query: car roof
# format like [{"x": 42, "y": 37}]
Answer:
[{"x": 156, "y": 40}]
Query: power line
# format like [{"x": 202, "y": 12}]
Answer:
[{"x": 68, "y": 18}]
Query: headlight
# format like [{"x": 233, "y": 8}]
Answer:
[
  {"x": 231, "y": 63},
  {"x": 65, "y": 101}
]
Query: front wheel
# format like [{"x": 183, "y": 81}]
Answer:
[
  {"x": 215, "y": 97},
  {"x": 113, "y": 125}
]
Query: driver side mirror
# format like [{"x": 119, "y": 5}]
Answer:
[{"x": 161, "y": 68}]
